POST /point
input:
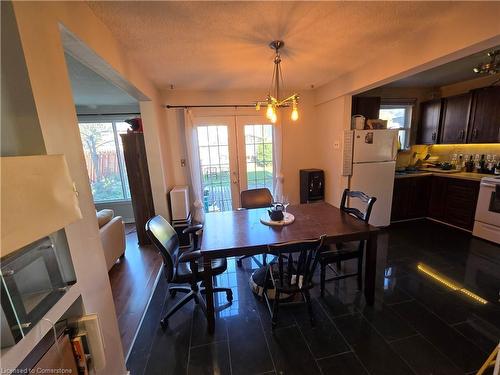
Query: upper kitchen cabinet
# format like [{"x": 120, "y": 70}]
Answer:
[
  {"x": 430, "y": 115},
  {"x": 368, "y": 106},
  {"x": 485, "y": 116},
  {"x": 456, "y": 111}
]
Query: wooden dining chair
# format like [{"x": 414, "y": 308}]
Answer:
[
  {"x": 289, "y": 276},
  {"x": 331, "y": 255},
  {"x": 254, "y": 198}
]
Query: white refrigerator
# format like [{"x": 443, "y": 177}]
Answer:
[{"x": 373, "y": 166}]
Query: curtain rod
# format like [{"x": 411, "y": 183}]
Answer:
[
  {"x": 109, "y": 114},
  {"x": 168, "y": 106}
]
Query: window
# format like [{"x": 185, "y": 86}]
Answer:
[
  {"x": 398, "y": 116},
  {"x": 103, "y": 152},
  {"x": 259, "y": 156}
]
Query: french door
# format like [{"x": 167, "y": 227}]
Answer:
[{"x": 236, "y": 153}]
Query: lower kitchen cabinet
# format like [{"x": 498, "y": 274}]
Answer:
[
  {"x": 450, "y": 200},
  {"x": 409, "y": 197}
]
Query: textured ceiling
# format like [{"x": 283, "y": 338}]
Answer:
[
  {"x": 91, "y": 90},
  {"x": 453, "y": 72},
  {"x": 220, "y": 45}
]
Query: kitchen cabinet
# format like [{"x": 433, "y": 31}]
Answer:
[
  {"x": 485, "y": 116},
  {"x": 409, "y": 197},
  {"x": 430, "y": 116},
  {"x": 447, "y": 199},
  {"x": 368, "y": 106},
  {"x": 455, "y": 118}
]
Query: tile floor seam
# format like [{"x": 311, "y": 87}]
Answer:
[
  {"x": 307, "y": 344},
  {"x": 388, "y": 344},
  {"x": 345, "y": 340},
  {"x": 444, "y": 355},
  {"x": 416, "y": 330},
  {"x": 267, "y": 343},
  {"x": 334, "y": 355},
  {"x": 403, "y": 338},
  {"x": 207, "y": 344},
  {"x": 190, "y": 340}
]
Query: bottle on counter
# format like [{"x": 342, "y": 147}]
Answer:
[
  {"x": 469, "y": 165},
  {"x": 497, "y": 169},
  {"x": 482, "y": 165},
  {"x": 460, "y": 163}
]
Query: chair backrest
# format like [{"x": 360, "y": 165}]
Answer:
[
  {"x": 256, "y": 198},
  {"x": 303, "y": 268},
  {"x": 165, "y": 238},
  {"x": 369, "y": 201}
]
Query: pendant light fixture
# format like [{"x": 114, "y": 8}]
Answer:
[
  {"x": 492, "y": 67},
  {"x": 273, "y": 101}
]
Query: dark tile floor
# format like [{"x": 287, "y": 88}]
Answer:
[{"x": 417, "y": 325}]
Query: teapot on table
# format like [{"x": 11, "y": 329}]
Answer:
[{"x": 276, "y": 212}]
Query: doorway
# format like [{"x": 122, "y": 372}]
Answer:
[{"x": 236, "y": 153}]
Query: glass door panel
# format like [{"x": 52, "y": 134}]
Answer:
[
  {"x": 256, "y": 154},
  {"x": 218, "y": 163}
]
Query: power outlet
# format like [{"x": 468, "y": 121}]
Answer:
[
  {"x": 336, "y": 144},
  {"x": 183, "y": 162}
]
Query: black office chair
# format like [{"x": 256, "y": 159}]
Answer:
[
  {"x": 254, "y": 198},
  {"x": 289, "y": 276},
  {"x": 183, "y": 267},
  {"x": 330, "y": 255}
]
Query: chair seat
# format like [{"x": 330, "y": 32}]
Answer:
[
  {"x": 331, "y": 254},
  {"x": 184, "y": 274}
]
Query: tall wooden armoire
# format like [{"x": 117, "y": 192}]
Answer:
[{"x": 134, "y": 151}]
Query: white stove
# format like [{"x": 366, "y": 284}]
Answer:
[{"x": 487, "y": 220}]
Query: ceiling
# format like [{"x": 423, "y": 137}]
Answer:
[
  {"x": 453, "y": 72},
  {"x": 91, "y": 90},
  {"x": 224, "y": 45}
]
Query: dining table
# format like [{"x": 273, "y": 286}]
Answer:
[{"x": 241, "y": 232}]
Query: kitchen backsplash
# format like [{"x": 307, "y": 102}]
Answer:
[{"x": 444, "y": 153}]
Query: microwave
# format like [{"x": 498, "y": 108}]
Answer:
[{"x": 31, "y": 283}]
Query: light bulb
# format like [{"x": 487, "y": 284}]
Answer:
[
  {"x": 295, "y": 114},
  {"x": 270, "y": 111},
  {"x": 257, "y": 106},
  {"x": 274, "y": 117}
]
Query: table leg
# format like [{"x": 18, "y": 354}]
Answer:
[
  {"x": 370, "y": 268},
  {"x": 209, "y": 294}
]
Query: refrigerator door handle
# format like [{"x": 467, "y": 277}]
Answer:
[{"x": 394, "y": 147}]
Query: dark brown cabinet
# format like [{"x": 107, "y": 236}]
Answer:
[
  {"x": 430, "y": 116},
  {"x": 368, "y": 106},
  {"x": 409, "y": 197},
  {"x": 447, "y": 199},
  {"x": 485, "y": 116},
  {"x": 455, "y": 118},
  {"x": 134, "y": 152}
]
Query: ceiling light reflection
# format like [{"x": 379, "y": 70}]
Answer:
[{"x": 449, "y": 283}]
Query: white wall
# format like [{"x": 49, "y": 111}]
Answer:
[{"x": 38, "y": 25}]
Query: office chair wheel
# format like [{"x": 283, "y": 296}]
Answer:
[
  {"x": 239, "y": 262},
  {"x": 164, "y": 324},
  {"x": 172, "y": 293},
  {"x": 229, "y": 295}
]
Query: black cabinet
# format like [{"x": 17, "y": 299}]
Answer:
[
  {"x": 368, "y": 106},
  {"x": 447, "y": 199},
  {"x": 409, "y": 197},
  {"x": 453, "y": 201},
  {"x": 485, "y": 116},
  {"x": 455, "y": 118},
  {"x": 430, "y": 117}
]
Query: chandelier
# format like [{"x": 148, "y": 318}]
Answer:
[
  {"x": 273, "y": 101},
  {"x": 492, "y": 67}
]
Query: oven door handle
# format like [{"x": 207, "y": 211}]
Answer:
[{"x": 488, "y": 185}]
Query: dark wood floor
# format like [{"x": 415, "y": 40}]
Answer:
[{"x": 132, "y": 283}]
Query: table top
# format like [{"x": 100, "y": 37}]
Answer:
[{"x": 234, "y": 233}]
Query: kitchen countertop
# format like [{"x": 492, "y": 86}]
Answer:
[{"x": 460, "y": 175}]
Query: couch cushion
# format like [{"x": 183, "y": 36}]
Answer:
[{"x": 104, "y": 217}]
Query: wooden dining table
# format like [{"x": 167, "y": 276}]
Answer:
[{"x": 238, "y": 233}]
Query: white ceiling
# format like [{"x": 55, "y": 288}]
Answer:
[
  {"x": 222, "y": 45},
  {"x": 453, "y": 72},
  {"x": 91, "y": 90}
]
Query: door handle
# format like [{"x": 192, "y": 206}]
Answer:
[
  {"x": 474, "y": 133},
  {"x": 434, "y": 136}
]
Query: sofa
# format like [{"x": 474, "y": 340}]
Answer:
[{"x": 112, "y": 233}]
